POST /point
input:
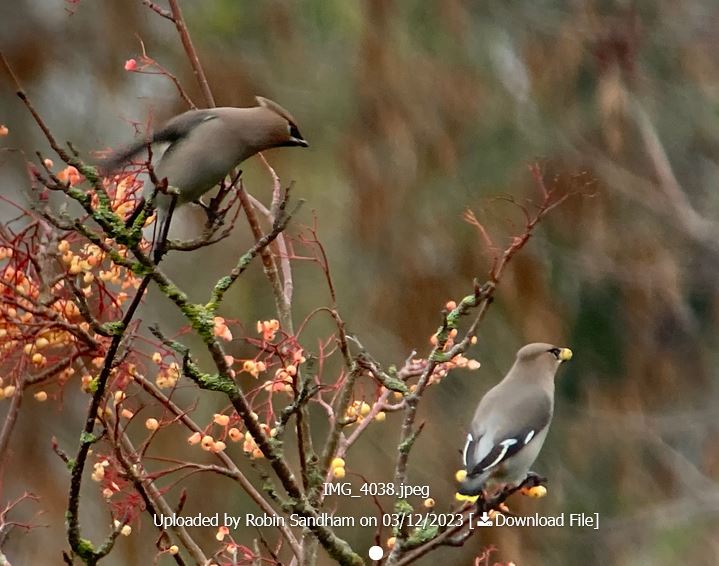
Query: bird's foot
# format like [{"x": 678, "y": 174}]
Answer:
[
  {"x": 533, "y": 480},
  {"x": 533, "y": 485},
  {"x": 530, "y": 485},
  {"x": 201, "y": 203},
  {"x": 215, "y": 217}
]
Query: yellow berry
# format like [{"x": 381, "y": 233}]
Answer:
[
  {"x": 391, "y": 541},
  {"x": 429, "y": 503},
  {"x": 40, "y": 396},
  {"x": 338, "y": 473},
  {"x": 152, "y": 424},
  {"x": 338, "y": 463},
  {"x": 461, "y": 475},
  {"x": 207, "y": 442},
  {"x": 535, "y": 492}
]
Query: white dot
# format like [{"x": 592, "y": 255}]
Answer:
[{"x": 376, "y": 552}]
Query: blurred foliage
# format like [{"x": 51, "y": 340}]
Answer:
[{"x": 416, "y": 110}]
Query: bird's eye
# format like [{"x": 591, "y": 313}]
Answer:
[{"x": 555, "y": 352}]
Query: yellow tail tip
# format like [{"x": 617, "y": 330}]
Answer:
[{"x": 470, "y": 498}]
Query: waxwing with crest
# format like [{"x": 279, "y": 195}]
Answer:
[
  {"x": 511, "y": 422},
  {"x": 206, "y": 145}
]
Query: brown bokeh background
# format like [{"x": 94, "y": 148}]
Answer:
[{"x": 416, "y": 110}]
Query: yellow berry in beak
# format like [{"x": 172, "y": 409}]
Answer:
[
  {"x": 565, "y": 354},
  {"x": 460, "y": 475}
]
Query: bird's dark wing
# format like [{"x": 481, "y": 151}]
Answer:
[
  {"x": 174, "y": 130},
  {"x": 526, "y": 419},
  {"x": 180, "y": 126}
]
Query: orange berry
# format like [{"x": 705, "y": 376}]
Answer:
[{"x": 222, "y": 420}]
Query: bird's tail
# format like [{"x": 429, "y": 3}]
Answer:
[
  {"x": 115, "y": 161},
  {"x": 470, "y": 487}
]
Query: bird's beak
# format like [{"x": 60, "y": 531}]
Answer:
[
  {"x": 565, "y": 354},
  {"x": 299, "y": 141}
]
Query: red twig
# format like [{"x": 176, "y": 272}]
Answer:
[{"x": 148, "y": 62}]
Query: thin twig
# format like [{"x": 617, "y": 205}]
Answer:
[
  {"x": 197, "y": 69},
  {"x": 237, "y": 475},
  {"x": 10, "y": 421},
  {"x": 284, "y": 312},
  {"x": 158, "y": 10}
]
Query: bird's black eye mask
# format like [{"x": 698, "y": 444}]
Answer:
[
  {"x": 556, "y": 352},
  {"x": 295, "y": 137},
  {"x": 294, "y": 132}
]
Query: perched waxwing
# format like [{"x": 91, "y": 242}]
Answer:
[
  {"x": 511, "y": 422},
  {"x": 205, "y": 145}
]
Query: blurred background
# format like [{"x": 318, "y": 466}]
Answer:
[{"x": 416, "y": 110}]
